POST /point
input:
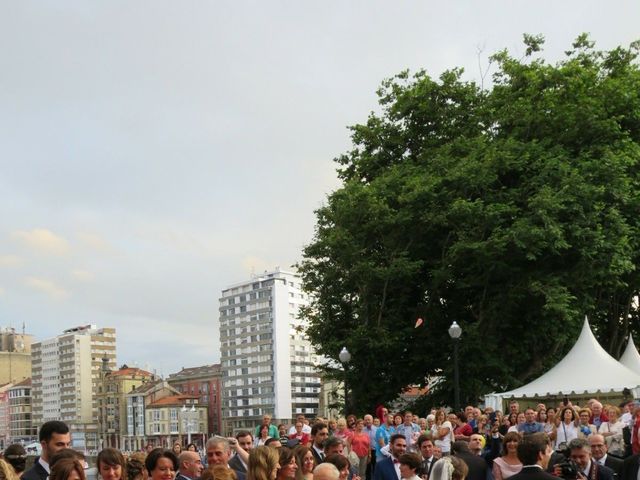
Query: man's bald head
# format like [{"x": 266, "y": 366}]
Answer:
[{"x": 326, "y": 471}]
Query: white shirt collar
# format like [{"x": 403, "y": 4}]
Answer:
[{"x": 44, "y": 464}]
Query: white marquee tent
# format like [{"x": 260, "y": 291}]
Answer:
[
  {"x": 586, "y": 369},
  {"x": 631, "y": 358}
]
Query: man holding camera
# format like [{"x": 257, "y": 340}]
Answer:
[{"x": 585, "y": 467}]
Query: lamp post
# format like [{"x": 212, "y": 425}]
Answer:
[
  {"x": 345, "y": 358},
  {"x": 187, "y": 419},
  {"x": 454, "y": 332}
]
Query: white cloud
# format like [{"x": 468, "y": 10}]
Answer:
[
  {"x": 94, "y": 242},
  {"x": 82, "y": 275},
  {"x": 48, "y": 287},
  {"x": 10, "y": 261},
  {"x": 42, "y": 240}
]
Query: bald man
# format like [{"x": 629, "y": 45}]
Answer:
[
  {"x": 190, "y": 466},
  {"x": 326, "y": 471}
]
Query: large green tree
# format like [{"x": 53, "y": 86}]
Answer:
[{"x": 513, "y": 210}]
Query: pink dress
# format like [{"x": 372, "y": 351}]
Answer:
[{"x": 502, "y": 469}]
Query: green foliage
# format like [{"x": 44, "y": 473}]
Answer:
[{"x": 513, "y": 211}]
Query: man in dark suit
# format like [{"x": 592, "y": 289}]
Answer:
[
  {"x": 600, "y": 454},
  {"x": 54, "y": 436},
  {"x": 425, "y": 444},
  {"x": 534, "y": 451},
  {"x": 189, "y": 466},
  {"x": 389, "y": 468},
  {"x": 219, "y": 453},
  {"x": 245, "y": 440},
  {"x": 588, "y": 468},
  {"x": 478, "y": 468},
  {"x": 319, "y": 433},
  {"x": 630, "y": 467}
]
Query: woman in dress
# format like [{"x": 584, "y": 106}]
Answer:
[
  {"x": 359, "y": 443},
  {"x": 509, "y": 463},
  {"x": 306, "y": 463},
  {"x": 442, "y": 433},
  {"x": 409, "y": 466},
  {"x": 612, "y": 432},
  {"x": 264, "y": 463},
  {"x": 567, "y": 429}
]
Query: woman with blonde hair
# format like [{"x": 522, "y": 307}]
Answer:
[
  {"x": 306, "y": 463},
  {"x": 442, "y": 433},
  {"x": 263, "y": 464},
  {"x": 6, "y": 471},
  {"x": 585, "y": 429},
  {"x": 612, "y": 431}
]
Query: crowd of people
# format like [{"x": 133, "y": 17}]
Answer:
[{"x": 590, "y": 442}]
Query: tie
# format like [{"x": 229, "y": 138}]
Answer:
[
  {"x": 395, "y": 461},
  {"x": 322, "y": 456}
]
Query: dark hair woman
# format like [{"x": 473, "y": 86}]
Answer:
[
  {"x": 111, "y": 464},
  {"x": 509, "y": 463},
  {"x": 161, "y": 464}
]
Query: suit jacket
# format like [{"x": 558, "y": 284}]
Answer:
[
  {"x": 604, "y": 473},
  {"x": 477, "y": 465},
  {"x": 614, "y": 464},
  {"x": 427, "y": 471},
  {"x": 316, "y": 457},
  {"x": 179, "y": 476},
  {"x": 531, "y": 472},
  {"x": 37, "y": 472},
  {"x": 234, "y": 464},
  {"x": 630, "y": 467},
  {"x": 385, "y": 470}
]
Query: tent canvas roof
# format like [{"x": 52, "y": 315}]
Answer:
[
  {"x": 631, "y": 358},
  {"x": 587, "y": 368}
]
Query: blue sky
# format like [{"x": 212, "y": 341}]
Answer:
[{"x": 153, "y": 152}]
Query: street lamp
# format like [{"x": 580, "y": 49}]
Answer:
[
  {"x": 187, "y": 419},
  {"x": 345, "y": 358},
  {"x": 454, "y": 332}
]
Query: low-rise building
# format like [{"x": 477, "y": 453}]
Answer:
[
  {"x": 177, "y": 418},
  {"x": 137, "y": 401},
  {"x": 4, "y": 415},
  {"x": 21, "y": 426},
  {"x": 112, "y": 402},
  {"x": 205, "y": 383}
]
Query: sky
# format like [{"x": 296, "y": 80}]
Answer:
[{"x": 154, "y": 152}]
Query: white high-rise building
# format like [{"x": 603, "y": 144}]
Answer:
[
  {"x": 268, "y": 365},
  {"x": 65, "y": 377}
]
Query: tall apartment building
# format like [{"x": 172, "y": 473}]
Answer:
[
  {"x": 66, "y": 374},
  {"x": 15, "y": 355},
  {"x": 268, "y": 366}
]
